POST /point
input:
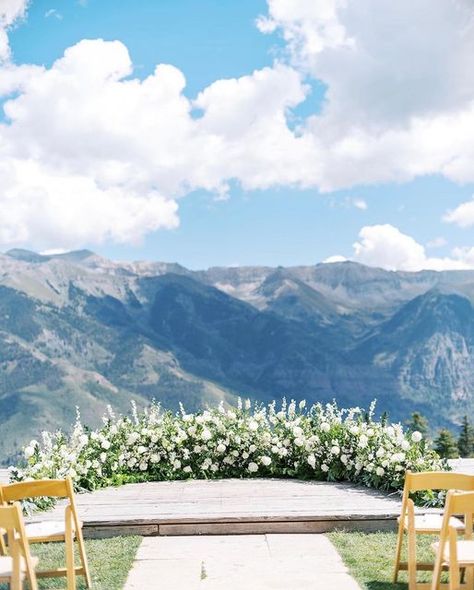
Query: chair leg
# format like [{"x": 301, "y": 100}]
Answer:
[
  {"x": 411, "y": 559},
  {"x": 454, "y": 580},
  {"x": 16, "y": 581},
  {"x": 69, "y": 545},
  {"x": 398, "y": 552},
  {"x": 82, "y": 553}
]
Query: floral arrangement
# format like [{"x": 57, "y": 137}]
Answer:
[{"x": 320, "y": 442}]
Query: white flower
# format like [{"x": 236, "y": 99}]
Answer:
[
  {"x": 344, "y": 459},
  {"x": 105, "y": 445},
  {"x": 265, "y": 461},
  {"x": 335, "y": 450},
  {"x": 363, "y": 441},
  {"x": 253, "y": 467},
  {"x": 324, "y": 468},
  {"x": 220, "y": 448},
  {"x": 380, "y": 471},
  {"x": 297, "y": 431},
  {"x": 252, "y": 448},
  {"x": 155, "y": 458},
  {"x": 143, "y": 466},
  {"x": 354, "y": 430},
  {"x": 29, "y": 452},
  {"x": 206, "y": 435},
  {"x": 299, "y": 442},
  {"x": 325, "y": 427},
  {"x": 416, "y": 436},
  {"x": 302, "y": 404},
  {"x": 141, "y": 450},
  {"x": 132, "y": 438},
  {"x": 405, "y": 445},
  {"x": 253, "y": 425},
  {"x": 188, "y": 469},
  {"x": 177, "y": 464},
  {"x": 312, "y": 460},
  {"x": 370, "y": 432},
  {"x": 245, "y": 455},
  {"x": 103, "y": 457},
  {"x": 247, "y": 404}
]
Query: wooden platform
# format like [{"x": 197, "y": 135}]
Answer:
[{"x": 233, "y": 507}]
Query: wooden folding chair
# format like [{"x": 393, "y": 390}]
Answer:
[
  {"x": 19, "y": 564},
  {"x": 451, "y": 552},
  {"x": 52, "y": 531},
  {"x": 412, "y": 524}
]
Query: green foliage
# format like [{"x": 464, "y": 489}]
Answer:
[
  {"x": 466, "y": 439},
  {"x": 445, "y": 444}
]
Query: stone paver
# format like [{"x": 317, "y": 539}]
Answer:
[{"x": 243, "y": 562}]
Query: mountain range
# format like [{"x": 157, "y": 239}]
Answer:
[{"x": 77, "y": 329}]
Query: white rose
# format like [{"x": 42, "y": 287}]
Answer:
[
  {"x": 252, "y": 448},
  {"x": 325, "y": 427},
  {"x": 253, "y": 467},
  {"x": 253, "y": 425},
  {"x": 265, "y": 460},
  {"x": 312, "y": 460},
  {"x": 105, "y": 445},
  {"x": 177, "y": 464},
  {"x": 221, "y": 448},
  {"x": 188, "y": 469},
  {"x": 29, "y": 452},
  {"x": 206, "y": 435},
  {"x": 143, "y": 466},
  {"x": 416, "y": 436},
  {"x": 405, "y": 445},
  {"x": 335, "y": 450},
  {"x": 380, "y": 471},
  {"x": 299, "y": 442},
  {"x": 324, "y": 468},
  {"x": 297, "y": 431}
]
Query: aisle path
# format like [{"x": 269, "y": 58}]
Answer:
[{"x": 243, "y": 562}]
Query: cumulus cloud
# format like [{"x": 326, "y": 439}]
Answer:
[
  {"x": 10, "y": 11},
  {"x": 90, "y": 153},
  {"x": 462, "y": 215},
  {"x": 393, "y": 110},
  {"x": 385, "y": 246}
]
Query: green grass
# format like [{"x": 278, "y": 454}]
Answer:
[
  {"x": 369, "y": 557},
  {"x": 109, "y": 559}
]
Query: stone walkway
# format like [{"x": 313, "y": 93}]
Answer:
[{"x": 243, "y": 562}]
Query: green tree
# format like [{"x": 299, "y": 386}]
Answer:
[
  {"x": 466, "y": 439},
  {"x": 445, "y": 444},
  {"x": 418, "y": 422}
]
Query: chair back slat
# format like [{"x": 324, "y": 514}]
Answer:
[
  {"x": 53, "y": 488},
  {"x": 438, "y": 480}
]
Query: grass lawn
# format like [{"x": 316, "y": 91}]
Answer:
[
  {"x": 369, "y": 557},
  {"x": 109, "y": 559}
]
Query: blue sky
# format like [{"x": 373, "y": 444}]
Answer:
[{"x": 279, "y": 225}]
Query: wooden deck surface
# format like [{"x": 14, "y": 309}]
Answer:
[{"x": 235, "y": 506}]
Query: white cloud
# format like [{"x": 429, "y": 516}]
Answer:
[
  {"x": 438, "y": 242},
  {"x": 360, "y": 204},
  {"x": 10, "y": 11},
  {"x": 53, "y": 12},
  {"x": 89, "y": 153},
  {"x": 462, "y": 215},
  {"x": 393, "y": 110},
  {"x": 385, "y": 246}
]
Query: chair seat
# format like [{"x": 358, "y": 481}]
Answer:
[
  {"x": 45, "y": 529},
  {"x": 431, "y": 523},
  {"x": 6, "y": 564},
  {"x": 465, "y": 551}
]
